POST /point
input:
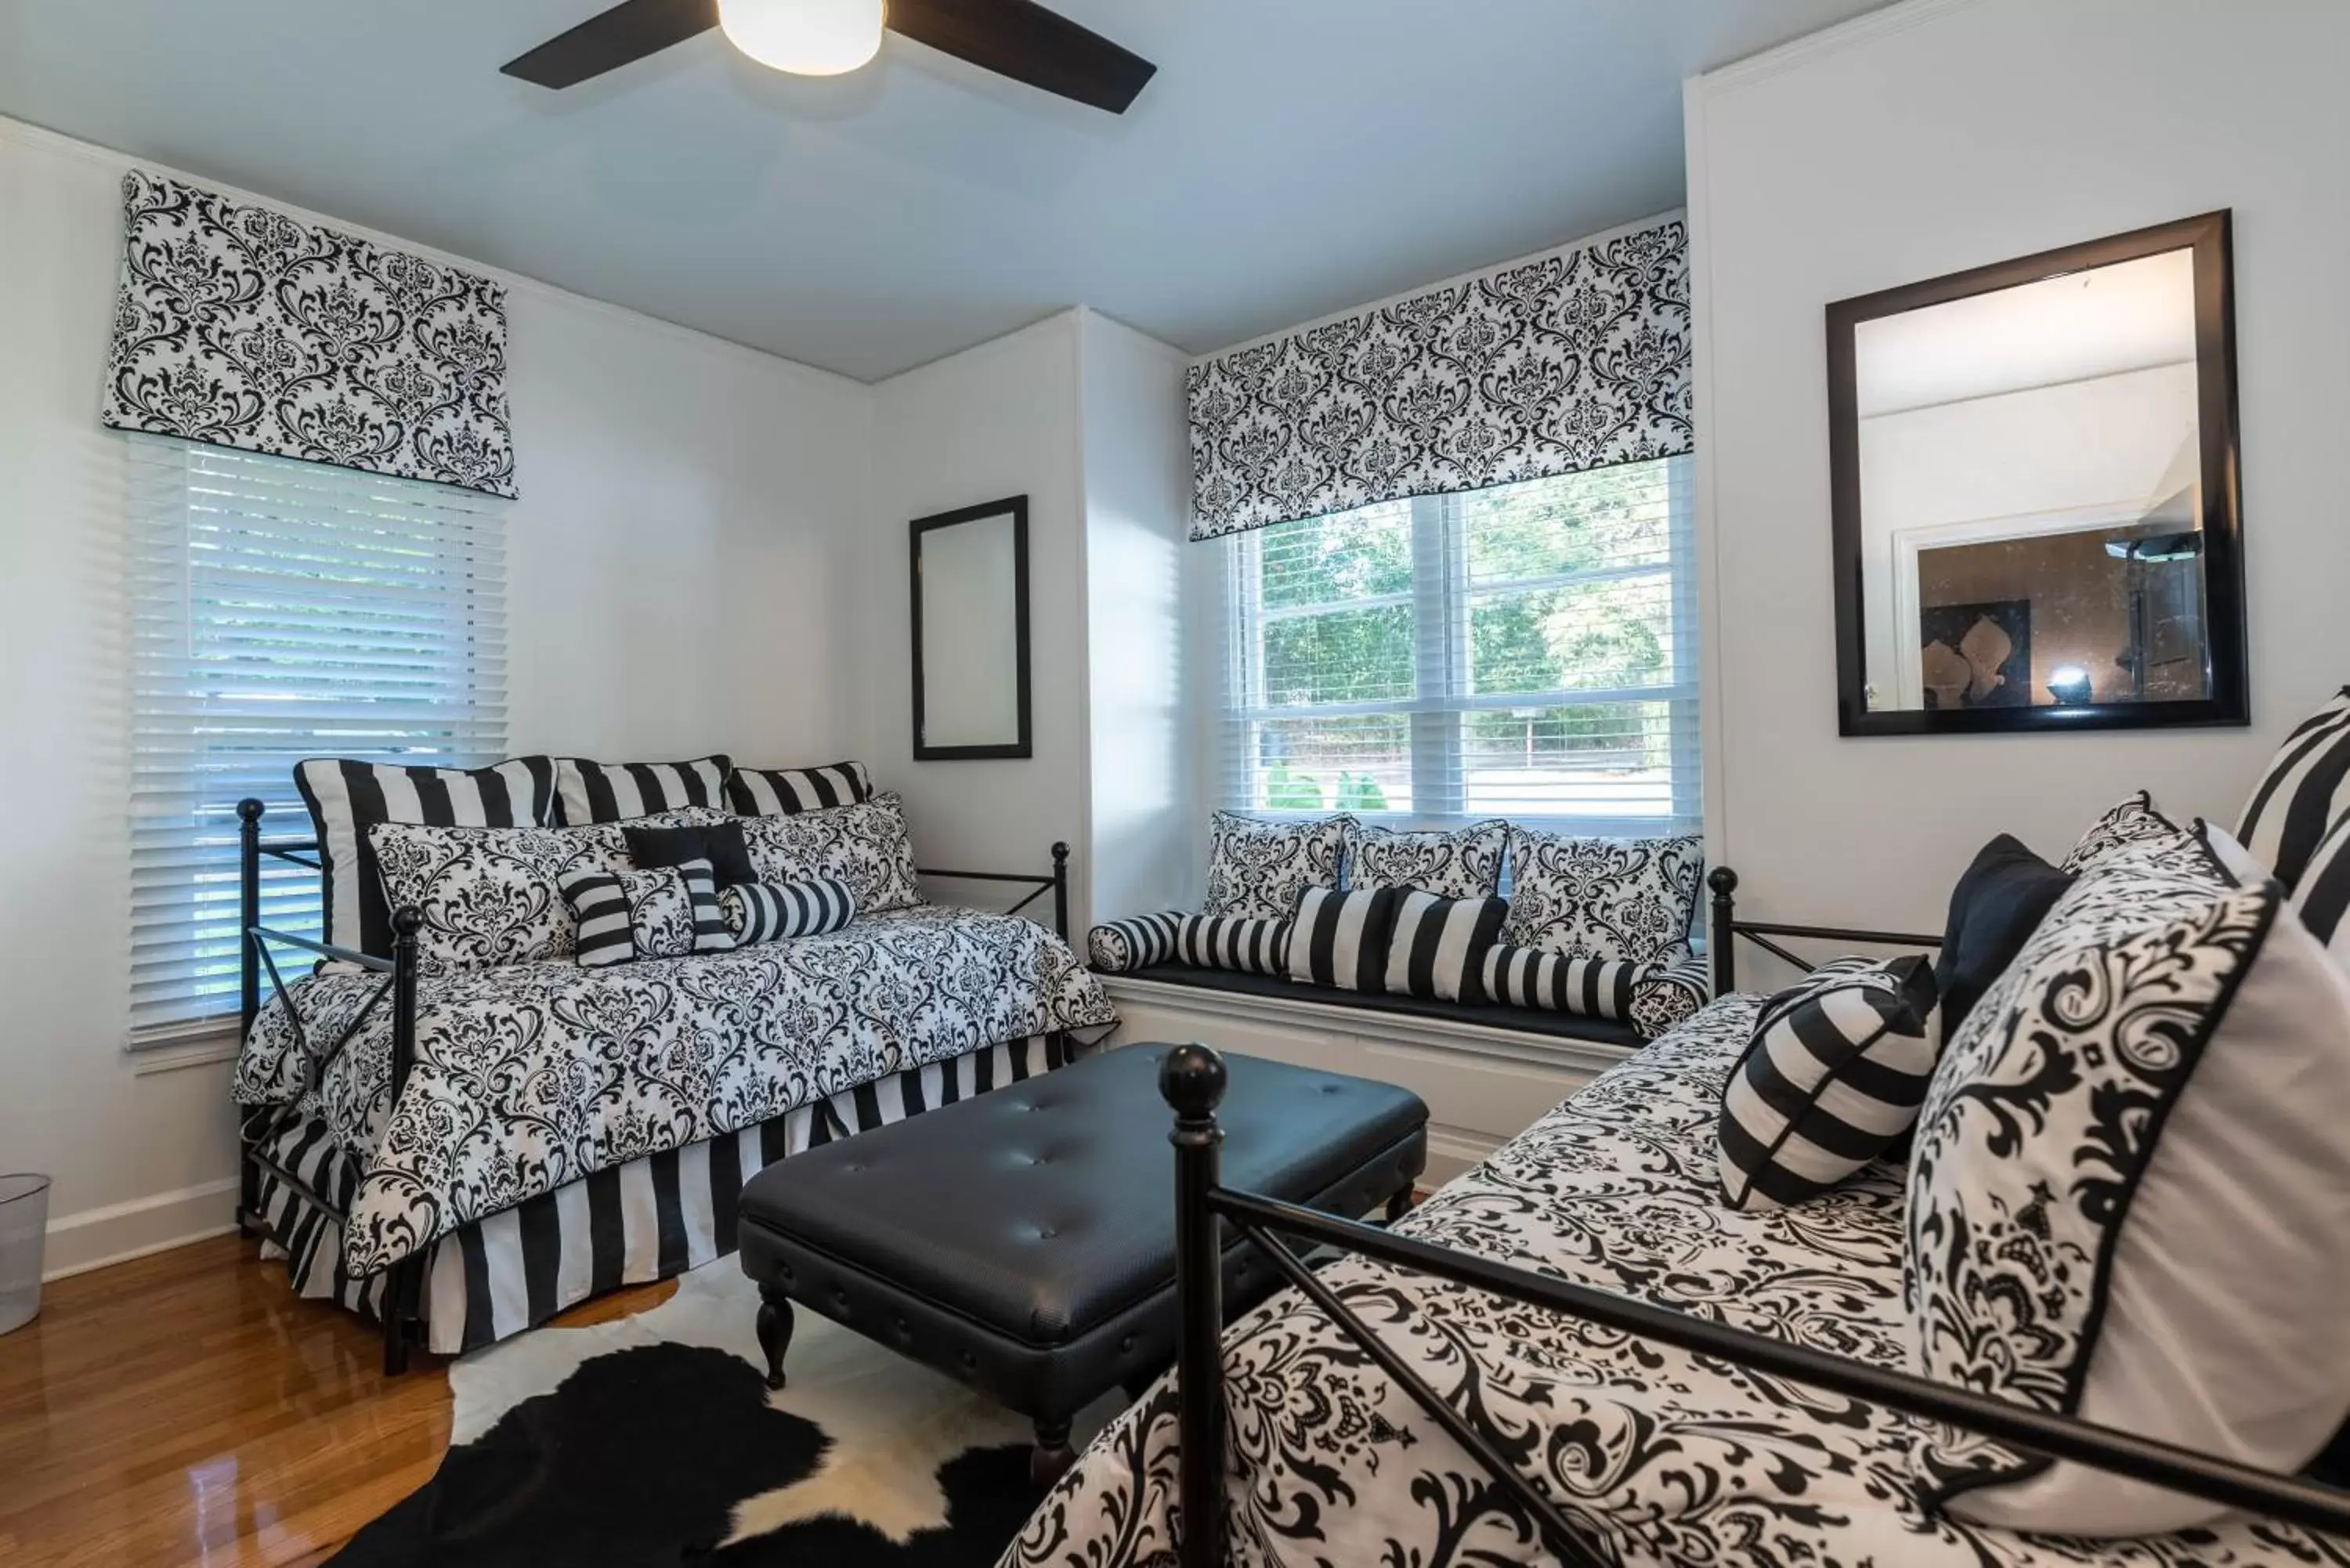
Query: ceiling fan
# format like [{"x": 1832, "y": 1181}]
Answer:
[{"x": 1016, "y": 38}]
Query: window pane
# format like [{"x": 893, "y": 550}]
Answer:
[
  {"x": 1332, "y": 560},
  {"x": 1552, "y": 527},
  {"x": 1609, "y": 633},
  {"x": 1344, "y": 656},
  {"x": 1356, "y": 764},
  {"x": 1611, "y": 760}
]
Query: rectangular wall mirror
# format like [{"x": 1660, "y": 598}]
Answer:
[
  {"x": 970, "y": 634},
  {"x": 2036, "y": 515}
]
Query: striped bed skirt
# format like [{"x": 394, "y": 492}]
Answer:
[{"x": 645, "y": 1220}]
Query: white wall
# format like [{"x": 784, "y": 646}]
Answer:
[
  {"x": 1931, "y": 137},
  {"x": 674, "y": 588}
]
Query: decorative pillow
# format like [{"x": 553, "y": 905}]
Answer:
[
  {"x": 1463, "y": 863},
  {"x": 1261, "y": 868},
  {"x": 864, "y": 846},
  {"x": 1602, "y": 897},
  {"x": 1244, "y": 942},
  {"x": 2134, "y": 821},
  {"x": 787, "y": 792},
  {"x": 1996, "y": 907},
  {"x": 1528, "y": 977},
  {"x": 1668, "y": 992},
  {"x": 489, "y": 895},
  {"x": 1831, "y": 1078},
  {"x": 2304, "y": 793},
  {"x": 2125, "y": 1176},
  {"x": 721, "y": 844},
  {"x": 1341, "y": 939},
  {"x": 770, "y": 912},
  {"x": 2324, "y": 897},
  {"x": 589, "y": 791},
  {"x": 347, "y": 797},
  {"x": 624, "y": 916},
  {"x": 1121, "y": 947},
  {"x": 1438, "y": 945}
]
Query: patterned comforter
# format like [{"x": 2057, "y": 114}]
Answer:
[
  {"x": 529, "y": 1076},
  {"x": 1660, "y": 1456}
]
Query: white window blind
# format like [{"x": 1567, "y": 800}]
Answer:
[
  {"x": 1527, "y": 652},
  {"x": 281, "y": 610}
]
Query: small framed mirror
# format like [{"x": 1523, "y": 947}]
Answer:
[
  {"x": 2037, "y": 522},
  {"x": 970, "y": 634}
]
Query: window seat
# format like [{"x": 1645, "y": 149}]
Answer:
[{"x": 1515, "y": 1020}]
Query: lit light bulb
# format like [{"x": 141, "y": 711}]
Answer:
[{"x": 806, "y": 38}]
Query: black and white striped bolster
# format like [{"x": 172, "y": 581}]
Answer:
[
  {"x": 770, "y": 911},
  {"x": 1121, "y": 947},
  {"x": 1668, "y": 992},
  {"x": 1251, "y": 944},
  {"x": 1527, "y": 976}
]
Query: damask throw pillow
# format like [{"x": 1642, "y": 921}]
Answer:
[
  {"x": 2304, "y": 790},
  {"x": 1830, "y": 1079},
  {"x": 624, "y": 916},
  {"x": 1261, "y": 869},
  {"x": 1630, "y": 899},
  {"x": 864, "y": 846},
  {"x": 1465, "y": 863},
  {"x": 2136, "y": 820},
  {"x": 2127, "y": 1189}
]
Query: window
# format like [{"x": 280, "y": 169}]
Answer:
[
  {"x": 278, "y": 610},
  {"x": 1526, "y": 651}
]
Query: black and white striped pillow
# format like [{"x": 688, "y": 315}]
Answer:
[
  {"x": 1833, "y": 1077},
  {"x": 1121, "y": 947},
  {"x": 624, "y": 916},
  {"x": 770, "y": 912},
  {"x": 588, "y": 791},
  {"x": 1528, "y": 977},
  {"x": 1439, "y": 944},
  {"x": 1341, "y": 939},
  {"x": 2323, "y": 899},
  {"x": 787, "y": 792},
  {"x": 1251, "y": 944},
  {"x": 346, "y": 798},
  {"x": 2304, "y": 792}
]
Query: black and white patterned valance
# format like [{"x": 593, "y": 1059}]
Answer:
[
  {"x": 1578, "y": 359},
  {"x": 240, "y": 327}
]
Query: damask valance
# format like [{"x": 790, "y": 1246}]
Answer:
[
  {"x": 240, "y": 327},
  {"x": 1574, "y": 360}
]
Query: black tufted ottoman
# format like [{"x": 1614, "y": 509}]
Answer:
[{"x": 1023, "y": 1240}]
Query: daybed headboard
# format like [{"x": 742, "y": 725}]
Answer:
[{"x": 1727, "y": 927}]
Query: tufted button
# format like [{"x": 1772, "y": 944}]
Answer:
[
  {"x": 970, "y": 1361},
  {"x": 840, "y": 1298},
  {"x": 783, "y": 1272},
  {"x": 1048, "y": 1233},
  {"x": 1126, "y": 1343}
]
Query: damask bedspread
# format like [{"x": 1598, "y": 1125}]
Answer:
[
  {"x": 1659, "y": 1456},
  {"x": 528, "y": 1077}
]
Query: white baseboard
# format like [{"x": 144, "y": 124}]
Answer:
[{"x": 121, "y": 1231}]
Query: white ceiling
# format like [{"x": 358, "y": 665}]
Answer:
[{"x": 1292, "y": 158}]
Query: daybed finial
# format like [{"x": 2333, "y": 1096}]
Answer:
[
  {"x": 1723, "y": 880},
  {"x": 249, "y": 809},
  {"x": 1192, "y": 1080}
]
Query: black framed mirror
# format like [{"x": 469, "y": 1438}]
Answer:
[
  {"x": 970, "y": 634},
  {"x": 2036, "y": 493}
]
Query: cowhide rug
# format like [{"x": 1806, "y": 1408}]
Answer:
[{"x": 652, "y": 1441}]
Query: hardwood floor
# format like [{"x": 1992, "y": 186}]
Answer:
[{"x": 185, "y": 1409}]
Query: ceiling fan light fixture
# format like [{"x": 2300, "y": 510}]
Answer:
[{"x": 806, "y": 38}]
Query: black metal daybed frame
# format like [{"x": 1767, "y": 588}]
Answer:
[
  {"x": 1192, "y": 1081},
  {"x": 258, "y": 1130}
]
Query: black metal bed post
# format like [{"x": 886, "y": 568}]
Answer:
[
  {"x": 400, "y": 1283},
  {"x": 1192, "y": 1080},
  {"x": 248, "y": 992},
  {"x": 1061, "y": 890},
  {"x": 1721, "y": 933}
]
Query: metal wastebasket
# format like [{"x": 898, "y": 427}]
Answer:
[{"x": 24, "y": 1224}]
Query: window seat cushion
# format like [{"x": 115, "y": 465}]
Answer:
[{"x": 1517, "y": 1019}]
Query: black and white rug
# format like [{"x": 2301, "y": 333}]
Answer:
[{"x": 653, "y": 1441}]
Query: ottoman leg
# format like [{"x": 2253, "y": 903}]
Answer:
[
  {"x": 1053, "y": 1455},
  {"x": 1399, "y": 1205},
  {"x": 774, "y": 1330}
]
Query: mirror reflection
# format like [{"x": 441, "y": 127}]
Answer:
[{"x": 2032, "y": 515}]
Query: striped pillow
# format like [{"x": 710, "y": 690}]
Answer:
[
  {"x": 2304, "y": 793},
  {"x": 1341, "y": 939},
  {"x": 1439, "y": 944},
  {"x": 1833, "y": 1077},
  {"x": 1528, "y": 977},
  {"x": 346, "y": 798},
  {"x": 624, "y": 916},
  {"x": 787, "y": 792},
  {"x": 1121, "y": 947},
  {"x": 1251, "y": 944},
  {"x": 589, "y": 791},
  {"x": 2323, "y": 899},
  {"x": 770, "y": 912}
]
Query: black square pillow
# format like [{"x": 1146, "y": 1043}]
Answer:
[
  {"x": 1997, "y": 906},
  {"x": 654, "y": 849}
]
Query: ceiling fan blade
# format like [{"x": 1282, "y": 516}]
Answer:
[
  {"x": 1020, "y": 39},
  {"x": 610, "y": 39}
]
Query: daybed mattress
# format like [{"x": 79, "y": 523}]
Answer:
[
  {"x": 529, "y": 1076},
  {"x": 1663, "y": 1457}
]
